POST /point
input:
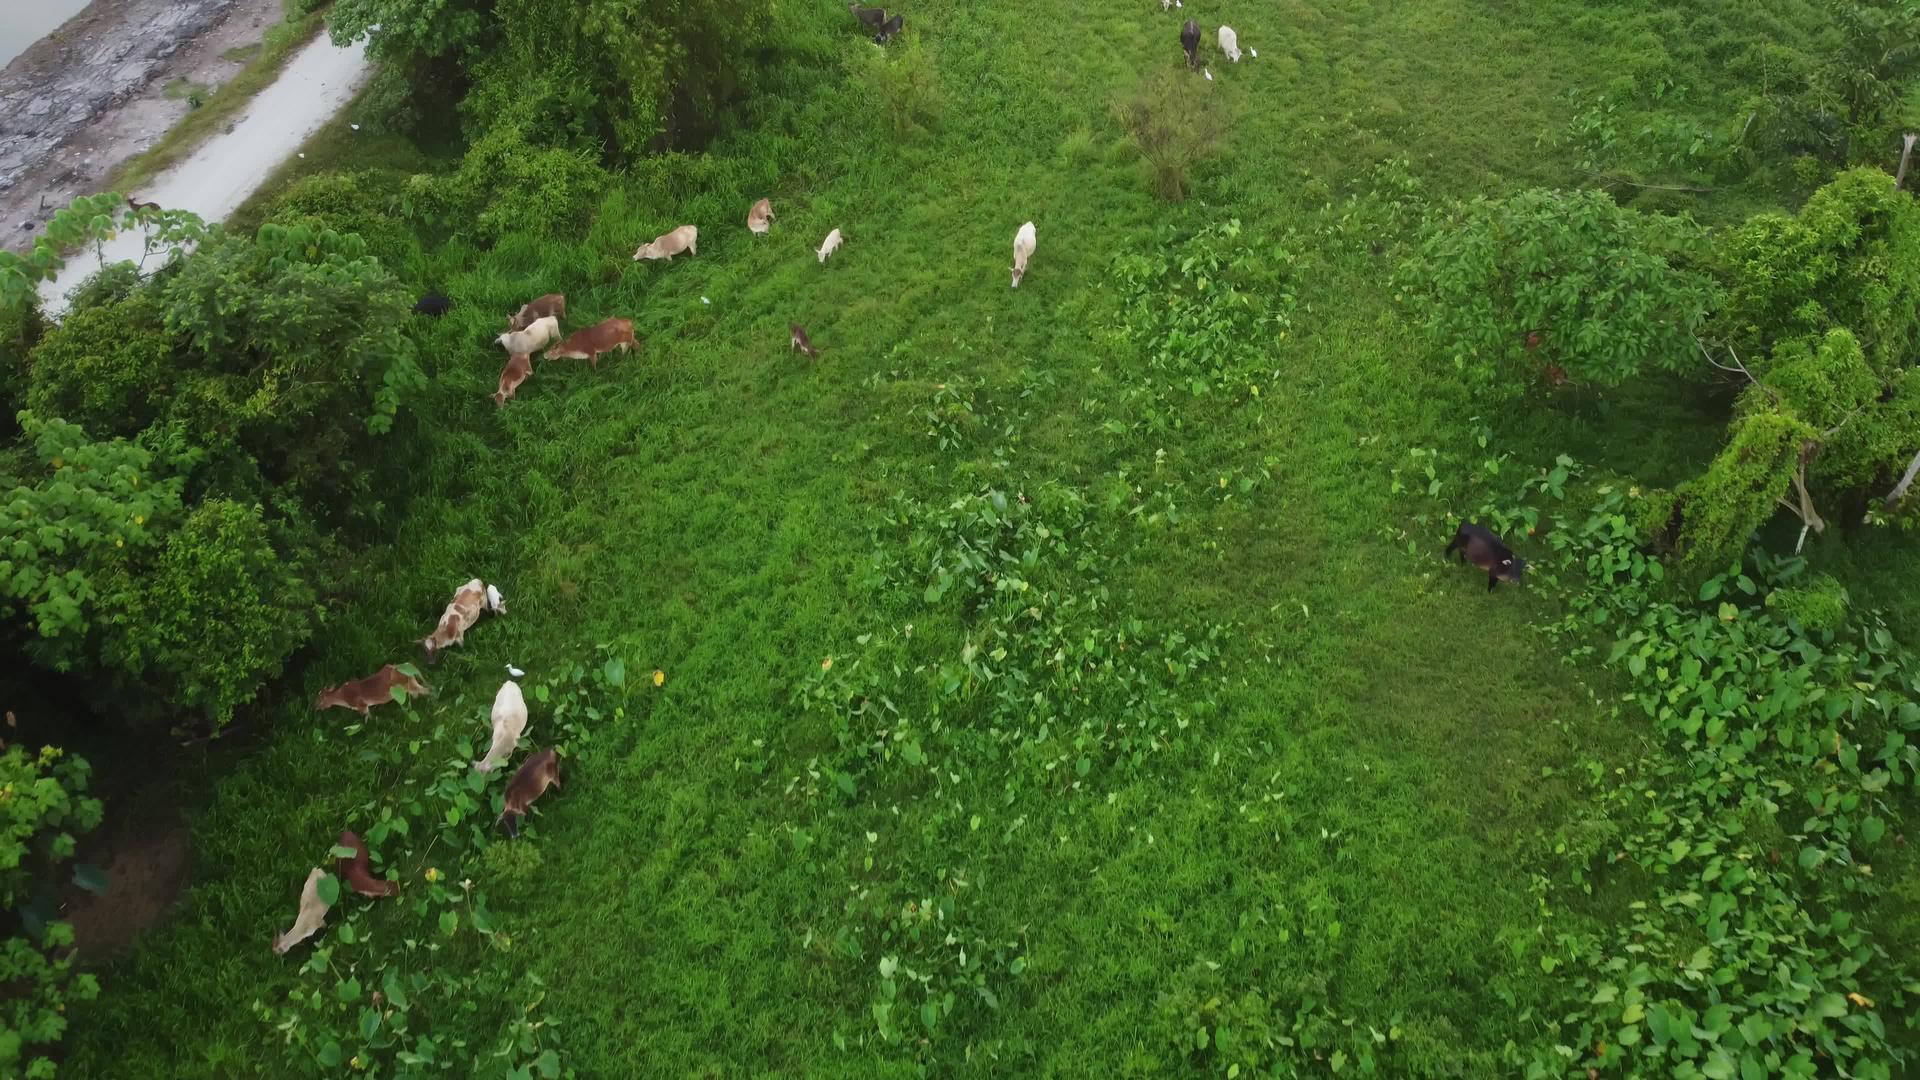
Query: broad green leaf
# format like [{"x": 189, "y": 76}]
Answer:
[{"x": 328, "y": 889}]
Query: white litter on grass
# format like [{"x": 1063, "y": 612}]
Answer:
[{"x": 514, "y": 671}]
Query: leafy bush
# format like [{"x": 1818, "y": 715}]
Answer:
[
  {"x": 105, "y": 368},
  {"x": 1849, "y": 260},
  {"x": 507, "y": 184},
  {"x": 42, "y": 807},
  {"x": 1568, "y": 278},
  {"x": 902, "y": 78},
  {"x": 363, "y": 203},
  {"x": 217, "y": 614},
  {"x": 1740, "y": 490},
  {"x": 1175, "y": 123}
]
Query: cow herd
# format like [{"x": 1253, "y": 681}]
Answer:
[{"x": 540, "y": 771}]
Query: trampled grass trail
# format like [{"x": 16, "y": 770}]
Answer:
[{"x": 1332, "y": 810}]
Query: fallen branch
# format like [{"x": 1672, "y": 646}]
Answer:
[
  {"x": 1899, "y": 491},
  {"x": 1608, "y": 178}
]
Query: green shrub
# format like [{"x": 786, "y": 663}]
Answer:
[
  {"x": 1741, "y": 489},
  {"x": 507, "y": 184},
  {"x": 1849, "y": 260},
  {"x": 1568, "y": 278},
  {"x": 1174, "y": 123},
  {"x": 42, "y": 808},
  {"x": 21, "y": 328},
  {"x": 903, "y": 80},
  {"x": 106, "y": 368},
  {"x": 217, "y": 615},
  {"x": 361, "y": 203},
  {"x": 1821, "y": 604}
]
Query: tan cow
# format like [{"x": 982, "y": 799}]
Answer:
[
  {"x": 554, "y": 304},
  {"x": 540, "y": 771},
  {"x": 830, "y": 245},
  {"x": 685, "y": 238},
  {"x": 313, "y": 913},
  {"x": 604, "y": 336},
  {"x": 759, "y": 217},
  {"x": 361, "y": 695},
  {"x": 462, "y": 612},
  {"x": 537, "y": 334},
  {"x": 519, "y": 366}
]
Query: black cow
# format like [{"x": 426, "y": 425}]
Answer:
[
  {"x": 1190, "y": 41},
  {"x": 1485, "y": 550},
  {"x": 888, "y": 29},
  {"x": 433, "y": 304}
]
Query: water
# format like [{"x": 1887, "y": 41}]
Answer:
[{"x": 23, "y": 22}]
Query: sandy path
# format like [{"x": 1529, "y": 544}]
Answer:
[{"x": 229, "y": 167}]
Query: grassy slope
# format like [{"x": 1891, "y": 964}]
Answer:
[{"x": 1352, "y": 807}]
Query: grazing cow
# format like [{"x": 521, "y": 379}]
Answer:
[
  {"x": 873, "y": 16},
  {"x": 362, "y": 695},
  {"x": 136, "y": 207},
  {"x": 888, "y": 29},
  {"x": 604, "y": 336},
  {"x": 509, "y": 720},
  {"x": 554, "y": 304},
  {"x": 1485, "y": 550},
  {"x": 433, "y": 304},
  {"x": 537, "y": 334},
  {"x": 1230, "y": 43},
  {"x": 830, "y": 245},
  {"x": 462, "y": 612},
  {"x": 540, "y": 771},
  {"x": 1023, "y": 242},
  {"x": 357, "y": 871},
  {"x": 801, "y": 343},
  {"x": 1190, "y": 41},
  {"x": 685, "y": 238},
  {"x": 519, "y": 366},
  {"x": 313, "y": 912},
  {"x": 759, "y": 216}
]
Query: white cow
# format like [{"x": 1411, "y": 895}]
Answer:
[
  {"x": 665, "y": 246},
  {"x": 509, "y": 721},
  {"x": 830, "y": 245},
  {"x": 537, "y": 334},
  {"x": 1230, "y": 43},
  {"x": 1023, "y": 242},
  {"x": 313, "y": 913}
]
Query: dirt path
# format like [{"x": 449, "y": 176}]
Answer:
[
  {"x": 103, "y": 87},
  {"x": 317, "y": 82}
]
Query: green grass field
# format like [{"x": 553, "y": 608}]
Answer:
[{"x": 1293, "y": 758}]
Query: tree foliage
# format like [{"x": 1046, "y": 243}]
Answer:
[{"x": 1567, "y": 278}]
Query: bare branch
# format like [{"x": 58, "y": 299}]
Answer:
[
  {"x": 1608, "y": 178},
  {"x": 1899, "y": 491}
]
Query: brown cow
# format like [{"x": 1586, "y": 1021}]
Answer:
[
  {"x": 540, "y": 771},
  {"x": 136, "y": 207},
  {"x": 461, "y": 613},
  {"x": 554, "y": 304},
  {"x": 519, "y": 366},
  {"x": 588, "y": 344},
  {"x": 357, "y": 871},
  {"x": 801, "y": 343},
  {"x": 362, "y": 695}
]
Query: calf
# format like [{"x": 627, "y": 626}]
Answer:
[
  {"x": 313, "y": 912},
  {"x": 136, "y": 206},
  {"x": 509, "y": 720},
  {"x": 1479, "y": 546},
  {"x": 888, "y": 29},
  {"x": 462, "y": 612},
  {"x": 685, "y": 238},
  {"x": 1190, "y": 41},
  {"x": 433, "y": 304},
  {"x": 759, "y": 216},
  {"x": 873, "y": 16},
  {"x": 1230, "y": 43},
  {"x": 537, "y": 333},
  {"x": 357, "y": 871},
  {"x": 830, "y": 245},
  {"x": 554, "y": 304},
  {"x": 361, "y": 695},
  {"x": 519, "y": 366},
  {"x": 1023, "y": 242},
  {"x": 540, "y": 771},
  {"x": 801, "y": 343},
  {"x": 604, "y": 336}
]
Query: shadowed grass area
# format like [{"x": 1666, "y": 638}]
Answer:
[{"x": 1333, "y": 806}]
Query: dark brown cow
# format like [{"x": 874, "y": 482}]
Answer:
[
  {"x": 540, "y": 771},
  {"x": 1479, "y": 546},
  {"x": 554, "y": 304},
  {"x": 801, "y": 343},
  {"x": 357, "y": 871},
  {"x": 519, "y": 366},
  {"x": 588, "y": 344}
]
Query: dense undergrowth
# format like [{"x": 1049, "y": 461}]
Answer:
[{"x": 1057, "y": 680}]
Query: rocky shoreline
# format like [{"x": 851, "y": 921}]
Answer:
[{"x": 80, "y": 101}]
